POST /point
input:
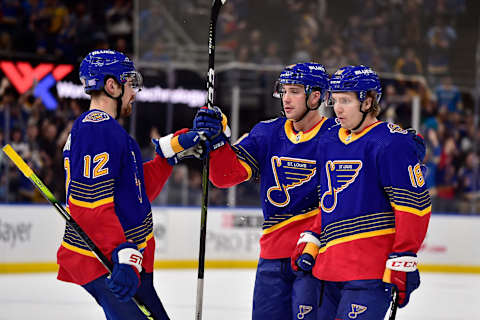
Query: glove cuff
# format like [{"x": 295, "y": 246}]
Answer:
[
  {"x": 127, "y": 254},
  {"x": 309, "y": 236},
  {"x": 402, "y": 263},
  {"x": 225, "y": 128},
  {"x": 165, "y": 146}
]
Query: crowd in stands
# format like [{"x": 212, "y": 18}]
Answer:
[{"x": 412, "y": 37}]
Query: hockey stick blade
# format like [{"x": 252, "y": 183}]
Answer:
[{"x": 28, "y": 173}]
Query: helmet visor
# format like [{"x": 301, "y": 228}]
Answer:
[
  {"x": 278, "y": 90},
  {"x": 134, "y": 79}
]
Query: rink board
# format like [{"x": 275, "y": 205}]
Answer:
[{"x": 31, "y": 234}]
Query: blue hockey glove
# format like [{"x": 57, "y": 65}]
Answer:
[
  {"x": 183, "y": 144},
  {"x": 419, "y": 144},
  {"x": 215, "y": 125},
  {"x": 402, "y": 273},
  {"x": 125, "y": 277},
  {"x": 306, "y": 251}
]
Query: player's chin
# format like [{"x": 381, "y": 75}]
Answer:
[
  {"x": 343, "y": 123},
  {"x": 289, "y": 114}
]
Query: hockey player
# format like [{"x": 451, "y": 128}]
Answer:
[
  {"x": 374, "y": 204},
  {"x": 109, "y": 191},
  {"x": 280, "y": 153}
]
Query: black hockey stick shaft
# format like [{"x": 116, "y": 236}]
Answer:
[
  {"x": 216, "y": 6},
  {"x": 394, "y": 307},
  {"x": 28, "y": 172}
]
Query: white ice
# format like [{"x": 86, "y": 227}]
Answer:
[{"x": 227, "y": 295}]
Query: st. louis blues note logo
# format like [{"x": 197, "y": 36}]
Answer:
[
  {"x": 356, "y": 310},
  {"x": 340, "y": 174},
  {"x": 303, "y": 310},
  {"x": 395, "y": 128},
  {"x": 289, "y": 173},
  {"x": 96, "y": 116}
]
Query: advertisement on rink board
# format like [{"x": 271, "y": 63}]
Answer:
[
  {"x": 231, "y": 234},
  {"x": 30, "y": 236}
]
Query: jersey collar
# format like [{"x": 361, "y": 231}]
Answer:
[
  {"x": 301, "y": 136},
  {"x": 348, "y": 137}
]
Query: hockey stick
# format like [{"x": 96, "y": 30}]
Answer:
[
  {"x": 216, "y": 6},
  {"x": 393, "y": 308},
  {"x": 28, "y": 172}
]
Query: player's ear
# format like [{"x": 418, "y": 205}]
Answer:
[
  {"x": 367, "y": 103},
  {"x": 315, "y": 96},
  {"x": 110, "y": 85}
]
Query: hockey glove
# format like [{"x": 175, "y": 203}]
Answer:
[
  {"x": 306, "y": 251},
  {"x": 401, "y": 272},
  {"x": 125, "y": 277},
  {"x": 183, "y": 144},
  {"x": 214, "y": 123},
  {"x": 419, "y": 144}
]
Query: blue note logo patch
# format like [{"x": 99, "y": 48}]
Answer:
[
  {"x": 395, "y": 128},
  {"x": 289, "y": 173},
  {"x": 303, "y": 311},
  {"x": 96, "y": 116},
  {"x": 356, "y": 310},
  {"x": 340, "y": 174}
]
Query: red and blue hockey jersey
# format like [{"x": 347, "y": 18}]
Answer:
[
  {"x": 284, "y": 161},
  {"x": 373, "y": 201},
  {"x": 108, "y": 193}
]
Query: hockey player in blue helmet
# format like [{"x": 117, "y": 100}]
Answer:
[
  {"x": 101, "y": 65},
  {"x": 312, "y": 77},
  {"x": 109, "y": 190},
  {"x": 279, "y": 154},
  {"x": 374, "y": 206},
  {"x": 364, "y": 84}
]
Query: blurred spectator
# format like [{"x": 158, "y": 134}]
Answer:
[
  {"x": 52, "y": 18},
  {"x": 446, "y": 178},
  {"x": 6, "y": 43},
  {"x": 229, "y": 27},
  {"x": 178, "y": 186},
  {"x": 158, "y": 53},
  {"x": 255, "y": 42},
  {"x": 195, "y": 188},
  {"x": 272, "y": 57},
  {"x": 448, "y": 95},
  {"x": 409, "y": 64},
  {"x": 18, "y": 143},
  {"x": 440, "y": 38},
  {"x": 119, "y": 19},
  {"x": 469, "y": 176}
]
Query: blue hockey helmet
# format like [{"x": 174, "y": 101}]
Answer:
[
  {"x": 312, "y": 76},
  {"x": 359, "y": 79},
  {"x": 98, "y": 65}
]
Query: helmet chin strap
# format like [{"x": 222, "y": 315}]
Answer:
[
  {"x": 118, "y": 99},
  {"x": 364, "y": 116}
]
